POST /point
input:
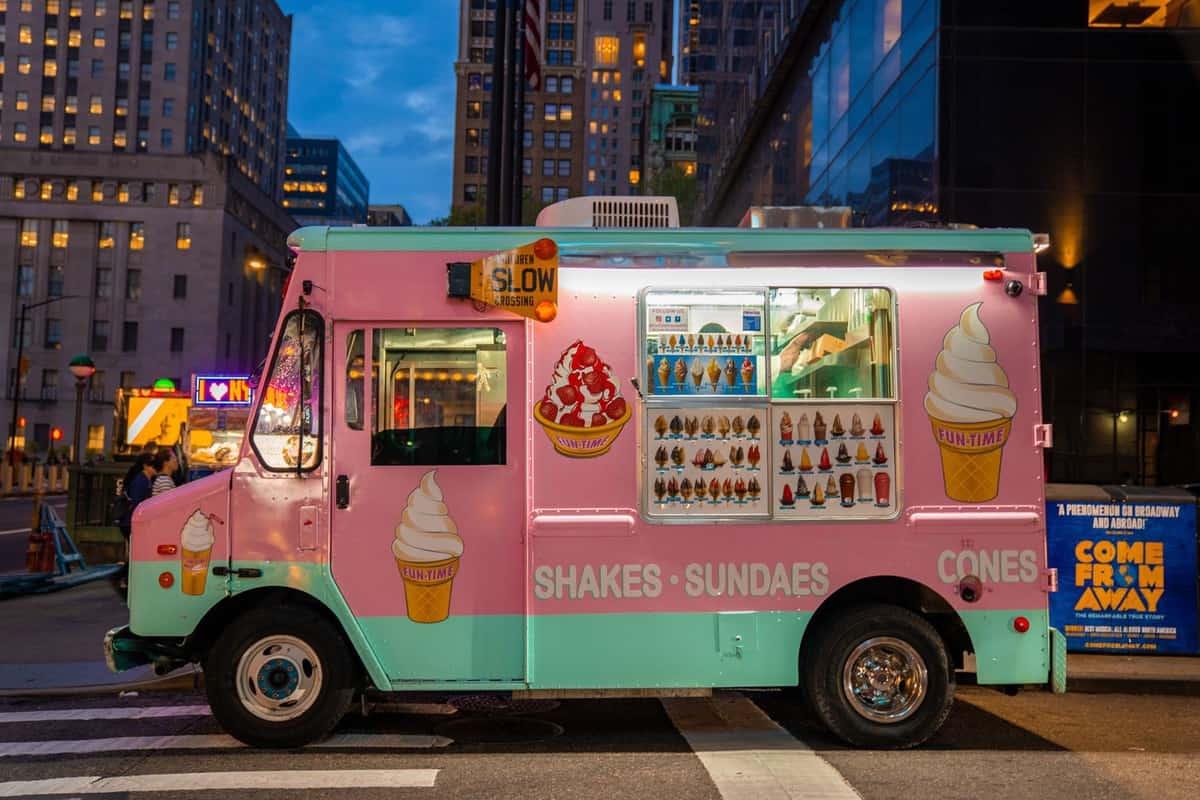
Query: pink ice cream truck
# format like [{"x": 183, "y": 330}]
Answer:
[{"x": 582, "y": 462}]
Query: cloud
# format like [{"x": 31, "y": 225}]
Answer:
[{"x": 380, "y": 76}]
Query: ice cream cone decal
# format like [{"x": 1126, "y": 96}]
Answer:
[
  {"x": 196, "y": 541},
  {"x": 971, "y": 409},
  {"x": 427, "y": 549}
]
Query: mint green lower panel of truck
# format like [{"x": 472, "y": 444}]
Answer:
[{"x": 574, "y": 650}]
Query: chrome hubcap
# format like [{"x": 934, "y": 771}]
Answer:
[
  {"x": 278, "y": 678},
  {"x": 885, "y": 679}
]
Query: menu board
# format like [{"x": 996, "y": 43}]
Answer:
[
  {"x": 707, "y": 461},
  {"x": 831, "y": 461},
  {"x": 705, "y": 344}
]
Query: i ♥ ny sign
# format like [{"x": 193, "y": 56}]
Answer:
[{"x": 222, "y": 390}]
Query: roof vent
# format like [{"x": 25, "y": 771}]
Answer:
[{"x": 611, "y": 212}]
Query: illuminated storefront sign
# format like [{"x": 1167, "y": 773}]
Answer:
[{"x": 222, "y": 390}]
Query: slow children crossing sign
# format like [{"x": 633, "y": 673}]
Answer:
[{"x": 523, "y": 280}]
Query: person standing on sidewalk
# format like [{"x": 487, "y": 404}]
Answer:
[
  {"x": 164, "y": 465},
  {"x": 137, "y": 489}
]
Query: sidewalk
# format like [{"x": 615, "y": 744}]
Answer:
[{"x": 55, "y": 644}]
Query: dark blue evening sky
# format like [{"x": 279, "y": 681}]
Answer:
[{"x": 379, "y": 75}]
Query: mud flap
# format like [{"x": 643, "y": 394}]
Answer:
[{"x": 1058, "y": 661}]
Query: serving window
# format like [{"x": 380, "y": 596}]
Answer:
[{"x": 776, "y": 403}]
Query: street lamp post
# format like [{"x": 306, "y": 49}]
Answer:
[
  {"x": 12, "y": 429},
  {"x": 82, "y": 368}
]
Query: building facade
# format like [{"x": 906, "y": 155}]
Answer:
[
  {"x": 141, "y": 158},
  {"x": 629, "y": 50},
  {"x": 1078, "y": 119},
  {"x": 388, "y": 216},
  {"x": 669, "y": 135},
  {"x": 322, "y": 185},
  {"x": 554, "y": 112}
]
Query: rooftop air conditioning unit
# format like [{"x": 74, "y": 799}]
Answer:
[{"x": 611, "y": 212}]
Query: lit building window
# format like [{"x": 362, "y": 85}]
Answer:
[
  {"x": 96, "y": 105},
  {"x": 72, "y": 186},
  {"x": 20, "y": 132},
  {"x": 198, "y": 195},
  {"x": 126, "y": 9},
  {"x": 52, "y": 6},
  {"x": 106, "y": 236},
  {"x": 22, "y": 101},
  {"x": 93, "y": 135},
  {"x": 51, "y": 37},
  {"x": 119, "y": 138},
  {"x": 101, "y": 7},
  {"x": 48, "y": 102},
  {"x": 122, "y": 107},
  {"x": 74, "y": 38},
  {"x": 72, "y": 104},
  {"x": 591, "y": 176},
  {"x": 97, "y": 192},
  {"x": 46, "y": 190},
  {"x": 24, "y": 65},
  {"x": 24, "y": 34},
  {"x": 122, "y": 192},
  {"x": 29, "y": 233},
  {"x": 50, "y": 68},
  {"x": 606, "y": 49},
  {"x": 172, "y": 194},
  {"x": 95, "y": 437},
  {"x": 47, "y": 135},
  {"x": 18, "y": 190},
  {"x": 183, "y": 236},
  {"x": 137, "y": 235},
  {"x": 61, "y": 234},
  {"x": 566, "y": 112},
  {"x": 639, "y": 49},
  {"x": 148, "y": 10}
]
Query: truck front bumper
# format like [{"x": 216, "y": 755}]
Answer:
[{"x": 124, "y": 649}]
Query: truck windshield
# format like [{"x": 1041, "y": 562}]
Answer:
[{"x": 287, "y": 435}]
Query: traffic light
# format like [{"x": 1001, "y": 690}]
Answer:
[{"x": 55, "y": 434}]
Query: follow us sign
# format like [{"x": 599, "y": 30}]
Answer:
[{"x": 1127, "y": 576}]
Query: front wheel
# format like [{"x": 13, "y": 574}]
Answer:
[
  {"x": 881, "y": 677},
  {"x": 281, "y": 677}
]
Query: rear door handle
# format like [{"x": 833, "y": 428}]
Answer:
[{"x": 342, "y": 491}]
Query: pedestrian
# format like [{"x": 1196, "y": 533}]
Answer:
[
  {"x": 137, "y": 489},
  {"x": 164, "y": 465},
  {"x": 150, "y": 448}
]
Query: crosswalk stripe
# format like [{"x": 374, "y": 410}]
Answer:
[
  {"x": 127, "y": 712},
  {"x": 749, "y": 756},
  {"x": 216, "y": 741},
  {"x": 276, "y": 780}
]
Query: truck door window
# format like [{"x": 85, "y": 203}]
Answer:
[
  {"x": 440, "y": 396},
  {"x": 287, "y": 432},
  {"x": 354, "y": 380}
]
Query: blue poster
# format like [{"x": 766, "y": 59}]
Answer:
[{"x": 1126, "y": 576}]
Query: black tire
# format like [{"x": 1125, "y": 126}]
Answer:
[
  {"x": 337, "y": 669},
  {"x": 823, "y": 676}
]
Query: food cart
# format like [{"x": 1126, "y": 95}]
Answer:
[
  {"x": 144, "y": 414},
  {"x": 216, "y": 422}
]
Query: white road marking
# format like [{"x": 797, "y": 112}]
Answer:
[
  {"x": 749, "y": 756},
  {"x": 215, "y": 741},
  {"x": 127, "y": 712},
  {"x": 227, "y": 781}
]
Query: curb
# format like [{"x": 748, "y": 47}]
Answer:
[
  {"x": 1183, "y": 687},
  {"x": 184, "y": 679}
]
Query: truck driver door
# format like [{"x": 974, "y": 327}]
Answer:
[{"x": 429, "y": 495}]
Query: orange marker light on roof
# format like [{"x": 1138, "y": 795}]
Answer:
[
  {"x": 546, "y": 311},
  {"x": 545, "y": 249}
]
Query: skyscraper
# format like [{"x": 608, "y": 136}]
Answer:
[
  {"x": 321, "y": 183},
  {"x": 553, "y": 112},
  {"x": 629, "y": 51},
  {"x": 141, "y": 158}
]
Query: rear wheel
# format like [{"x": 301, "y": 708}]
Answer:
[
  {"x": 880, "y": 677},
  {"x": 279, "y": 678}
]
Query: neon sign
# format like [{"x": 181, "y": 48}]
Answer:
[{"x": 222, "y": 390}]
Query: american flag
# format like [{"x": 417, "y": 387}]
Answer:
[{"x": 533, "y": 43}]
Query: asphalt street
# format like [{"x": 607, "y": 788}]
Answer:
[
  {"x": 15, "y": 516},
  {"x": 1032, "y": 745}
]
